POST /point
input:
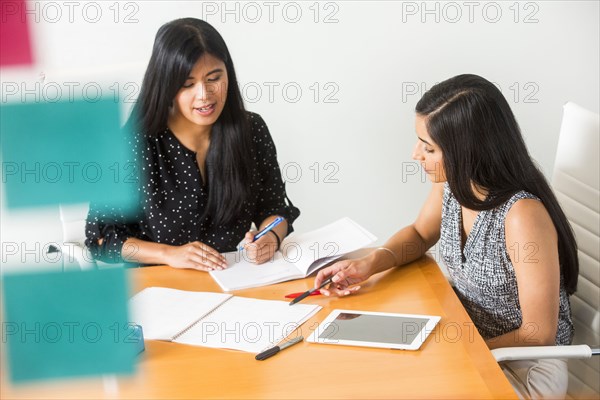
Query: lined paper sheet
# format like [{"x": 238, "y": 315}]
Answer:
[
  {"x": 164, "y": 312},
  {"x": 216, "y": 319},
  {"x": 247, "y": 324},
  {"x": 300, "y": 256}
]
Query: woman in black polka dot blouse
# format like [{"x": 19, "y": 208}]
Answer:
[{"x": 208, "y": 167}]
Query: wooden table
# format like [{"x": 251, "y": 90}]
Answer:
[{"x": 454, "y": 362}]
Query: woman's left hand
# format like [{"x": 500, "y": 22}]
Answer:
[{"x": 263, "y": 249}]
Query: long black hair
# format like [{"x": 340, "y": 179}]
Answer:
[
  {"x": 178, "y": 46},
  {"x": 481, "y": 143}
]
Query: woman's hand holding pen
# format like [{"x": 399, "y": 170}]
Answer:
[
  {"x": 261, "y": 246},
  {"x": 195, "y": 255},
  {"x": 344, "y": 274},
  {"x": 261, "y": 250}
]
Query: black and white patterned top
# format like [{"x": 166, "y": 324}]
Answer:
[
  {"x": 174, "y": 198},
  {"x": 483, "y": 274}
]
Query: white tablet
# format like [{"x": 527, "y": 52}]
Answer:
[{"x": 374, "y": 329}]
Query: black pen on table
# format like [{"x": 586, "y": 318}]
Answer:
[
  {"x": 274, "y": 350},
  {"x": 308, "y": 293}
]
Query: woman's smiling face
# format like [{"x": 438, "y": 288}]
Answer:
[{"x": 202, "y": 97}]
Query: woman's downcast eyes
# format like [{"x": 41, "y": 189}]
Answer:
[{"x": 209, "y": 80}]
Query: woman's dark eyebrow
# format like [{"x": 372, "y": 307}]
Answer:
[
  {"x": 214, "y": 71},
  {"x": 209, "y": 73},
  {"x": 424, "y": 141}
]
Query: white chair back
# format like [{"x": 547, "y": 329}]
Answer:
[
  {"x": 75, "y": 254},
  {"x": 576, "y": 182},
  {"x": 73, "y": 218}
]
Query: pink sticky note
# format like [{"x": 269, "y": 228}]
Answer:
[{"x": 14, "y": 34}]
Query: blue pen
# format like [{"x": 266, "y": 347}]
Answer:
[{"x": 262, "y": 233}]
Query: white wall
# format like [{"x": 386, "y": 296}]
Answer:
[{"x": 369, "y": 63}]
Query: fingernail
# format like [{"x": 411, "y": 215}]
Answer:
[
  {"x": 347, "y": 292},
  {"x": 335, "y": 278}
]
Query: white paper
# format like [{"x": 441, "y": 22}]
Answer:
[
  {"x": 216, "y": 319},
  {"x": 300, "y": 256},
  {"x": 164, "y": 312},
  {"x": 247, "y": 324}
]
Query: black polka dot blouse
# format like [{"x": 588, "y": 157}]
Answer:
[{"x": 174, "y": 198}]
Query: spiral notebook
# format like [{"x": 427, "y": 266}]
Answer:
[
  {"x": 216, "y": 320},
  {"x": 300, "y": 256}
]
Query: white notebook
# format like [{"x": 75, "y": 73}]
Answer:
[
  {"x": 217, "y": 320},
  {"x": 300, "y": 256}
]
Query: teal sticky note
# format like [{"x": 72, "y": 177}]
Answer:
[
  {"x": 71, "y": 151},
  {"x": 67, "y": 324}
]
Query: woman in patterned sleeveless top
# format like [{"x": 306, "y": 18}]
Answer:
[{"x": 508, "y": 246}]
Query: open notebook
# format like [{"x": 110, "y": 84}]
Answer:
[
  {"x": 216, "y": 319},
  {"x": 300, "y": 256}
]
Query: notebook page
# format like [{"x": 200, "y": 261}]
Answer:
[
  {"x": 300, "y": 255},
  {"x": 331, "y": 241},
  {"x": 242, "y": 274},
  {"x": 164, "y": 312},
  {"x": 248, "y": 324}
]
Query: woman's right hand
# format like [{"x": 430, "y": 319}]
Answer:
[
  {"x": 195, "y": 255},
  {"x": 345, "y": 274}
]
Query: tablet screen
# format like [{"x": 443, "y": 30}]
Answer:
[{"x": 374, "y": 328}]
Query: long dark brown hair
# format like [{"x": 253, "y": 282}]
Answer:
[
  {"x": 481, "y": 143},
  {"x": 178, "y": 46}
]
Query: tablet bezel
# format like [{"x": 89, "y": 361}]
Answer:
[{"x": 419, "y": 339}]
